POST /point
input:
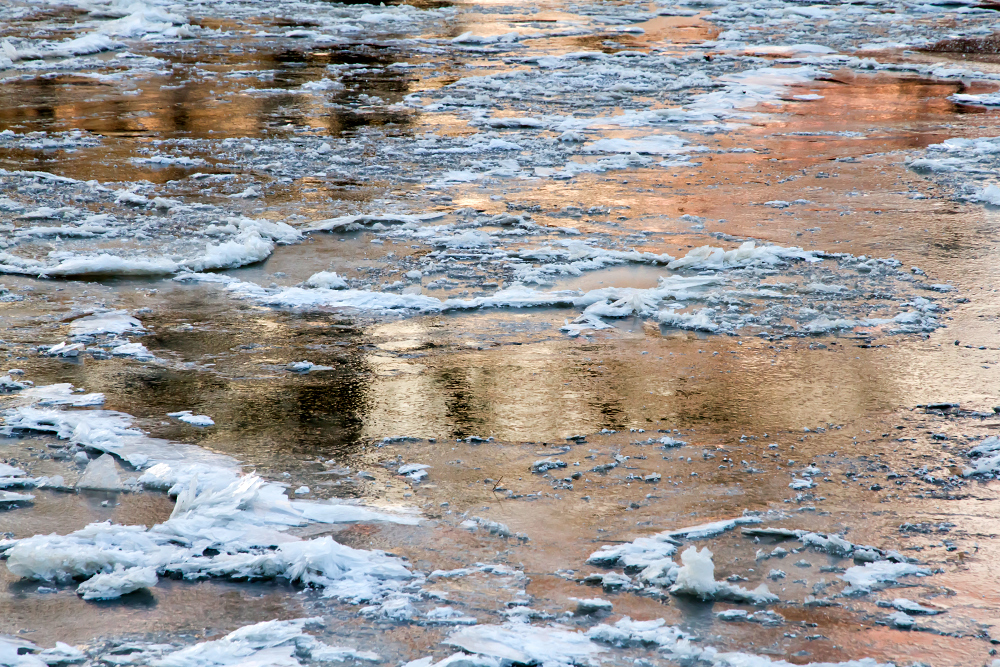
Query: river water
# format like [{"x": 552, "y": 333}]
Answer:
[{"x": 565, "y": 276}]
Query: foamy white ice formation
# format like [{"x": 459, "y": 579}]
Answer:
[{"x": 224, "y": 523}]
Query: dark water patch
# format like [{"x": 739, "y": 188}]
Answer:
[
  {"x": 187, "y": 103},
  {"x": 987, "y": 45}
]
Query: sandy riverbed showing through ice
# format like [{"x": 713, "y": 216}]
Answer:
[{"x": 482, "y": 334}]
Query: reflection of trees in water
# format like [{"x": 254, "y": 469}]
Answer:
[
  {"x": 516, "y": 398},
  {"x": 508, "y": 401},
  {"x": 257, "y": 420},
  {"x": 465, "y": 391},
  {"x": 295, "y": 68},
  {"x": 183, "y": 103}
]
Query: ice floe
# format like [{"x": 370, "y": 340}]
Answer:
[
  {"x": 865, "y": 578},
  {"x": 696, "y": 577},
  {"x": 188, "y": 417},
  {"x": 118, "y": 582},
  {"x": 117, "y": 322},
  {"x": 527, "y": 644},
  {"x": 269, "y": 643},
  {"x": 241, "y": 519}
]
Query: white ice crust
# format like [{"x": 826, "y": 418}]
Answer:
[
  {"x": 271, "y": 643},
  {"x": 240, "y": 518}
]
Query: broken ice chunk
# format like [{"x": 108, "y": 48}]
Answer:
[
  {"x": 112, "y": 322},
  {"x": 8, "y": 385},
  {"x": 711, "y": 529},
  {"x": 909, "y": 606},
  {"x": 541, "y": 465},
  {"x": 832, "y": 544},
  {"x": 732, "y": 615},
  {"x": 901, "y": 620},
  {"x": 697, "y": 575},
  {"x": 136, "y": 350},
  {"x": 65, "y": 350},
  {"x": 448, "y": 616},
  {"x": 10, "y": 471},
  {"x": 11, "y": 498},
  {"x": 866, "y": 556},
  {"x": 526, "y": 644},
  {"x": 613, "y": 581},
  {"x": 121, "y": 581},
  {"x": 585, "y": 607},
  {"x": 62, "y": 654},
  {"x": 696, "y": 578},
  {"x": 987, "y": 446},
  {"x": 492, "y": 527},
  {"x": 862, "y": 578},
  {"x": 415, "y": 472},
  {"x": 326, "y": 280},
  {"x": 396, "y": 608},
  {"x": 195, "y": 420},
  {"x": 269, "y": 643},
  {"x": 101, "y": 474},
  {"x": 306, "y": 367}
]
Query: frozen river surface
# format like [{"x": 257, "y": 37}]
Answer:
[{"x": 484, "y": 334}]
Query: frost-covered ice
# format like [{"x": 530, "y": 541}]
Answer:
[
  {"x": 968, "y": 167},
  {"x": 985, "y": 99},
  {"x": 16, "y": 652},
  {"x": 356, "y": 222},
  {"x": 9, "y": 385},
  {"x": 7, "y": 470},
  {"x": 901, "y": 620},
  {"x": 251, "y": 544},
  {"x": 137, "y": 351},
  {"x": 830, "y": 543}
]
